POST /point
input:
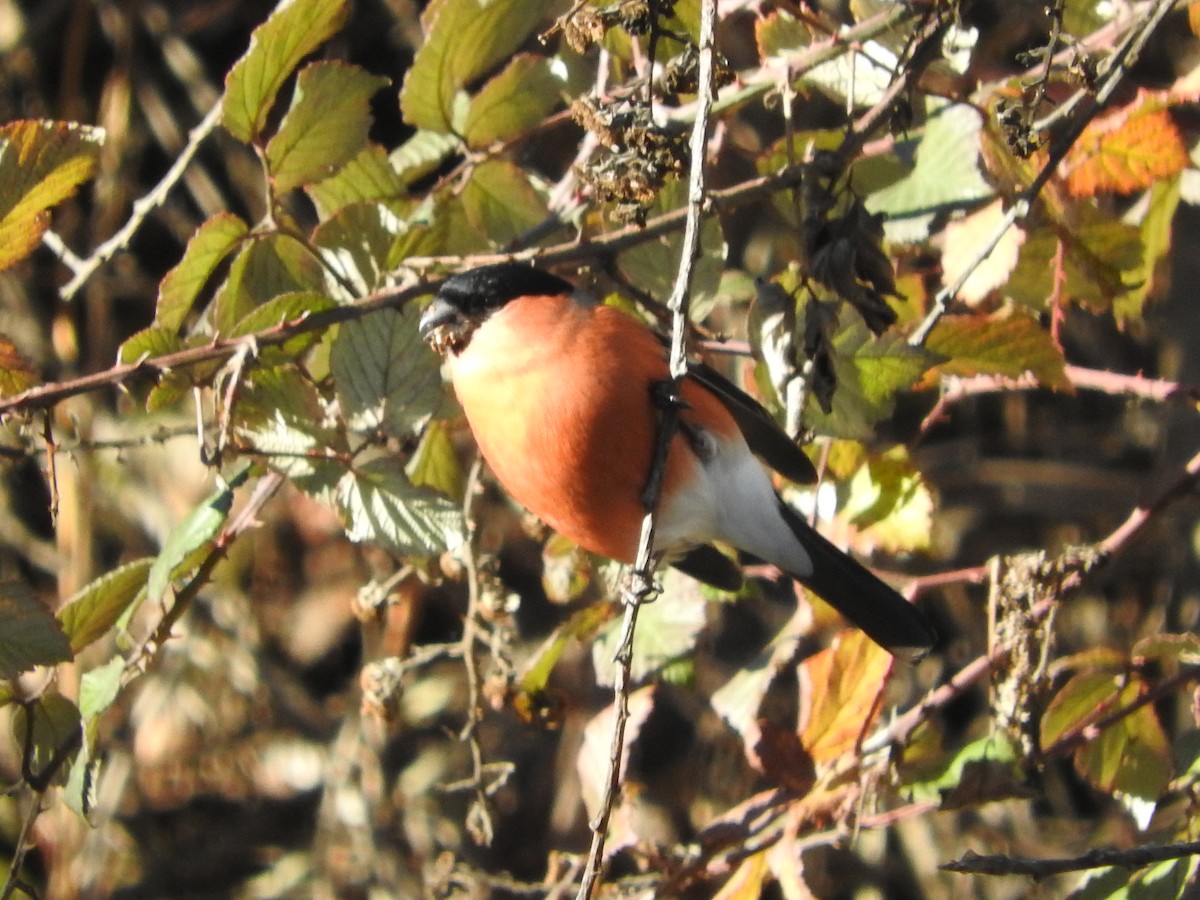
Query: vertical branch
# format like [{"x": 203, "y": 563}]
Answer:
[{"x": 641, "y": 584}]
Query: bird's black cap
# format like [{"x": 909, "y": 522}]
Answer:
[{"x": 477, "y": 291}]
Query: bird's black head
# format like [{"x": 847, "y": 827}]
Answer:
[{"x": 467, "y": 298}]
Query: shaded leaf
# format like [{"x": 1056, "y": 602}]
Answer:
[
  {"x": 1006, "y": 343},
  {"x": 91, "y": 612},
  {"x": 326, "y": 125},
  {"x": 501, "y": 203},
  {"x": 356, "y": 242},
  {"x": 386, "y": 376},
  {"x": 985, "y": 770},
  {"x": 56, "y": 727},
  {"x": 463, "y": 40},
  {"x": 17, "y": 373},
  {"x": 595, "y": 753},
  {"x": 514, "y": 101},
  {"x": 381, "y": 506},
  {"x": 840, "y": 694},
  {"x": 41, "y": 164},
  {"x": 212, "y": 242},
  {"x": 264, "y": 268},
  {"x": 294, "y": 30},
  {"x": 1155, "y": 231},
  {"x": 582, "y": 625},
  {"x": 738, "y": 701},
  {"x": 29, "y": 634},
  {"x": 964, "y": 237}
]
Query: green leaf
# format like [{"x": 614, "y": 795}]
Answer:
[
  {"x": 211, "y": 243},
  {"x": 286, "y": 308},
  {"x": 1006, "y": 343},
  {"x": 99, "y": 687},
  {"x": 191, "y": 534},
  {"x": 29, "y": 634},
  {"x": 1082, "y": 700},
  {"x": 41, "y": 164},
  {"x": 500, "y": 202},
  {"x": 582, "y": 626},
  {"x": 513, "y": 102},
  {"x": 148, "y": 344},
  {"x": 870, "y": 372},
  {"x": 326, "y": 125},
  {"x": 294, "y": 30},
  {"x": 1156, "y": 242},
  {"x": 1132, "y": 756},
  {"x": 667, "y": 630},
  {"x": 92, "y": 611},
  {"x": 422, "y": 153},
  {"x": 357, "y": 241},
  {"x": 889, "y": 500},
  {"x": 985, "y": 769},
  {"x": 779, "y": 34},
  {"x": 946, "y": 174},
  {"x": 280, "y": 413},
  {"x": 435, "y": 463},
  {"x": 264, "y": 268},
  {"x": 56, "y": 726},
  {"x": 368, "y": 176},
  {"x": 381, "y": 506},
  {"x": 385, "y": 375},
  {"x": 464, "y": 39}
]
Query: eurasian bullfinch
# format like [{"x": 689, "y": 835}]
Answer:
[{"x": 561, "y": 395}]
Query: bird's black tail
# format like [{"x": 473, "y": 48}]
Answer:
[{"x": 885, "y": 616}]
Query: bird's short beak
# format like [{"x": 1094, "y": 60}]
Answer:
[{"x": 436, "y": 314}]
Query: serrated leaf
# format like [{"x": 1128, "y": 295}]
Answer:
[
  {"x": 514, "y": 101},
  {"x": 285, "y": 308},
  {"x": 501, "y": 203},
  {"x": 870, "y": 372},
  {"x": 99, "y": 687},
  {"x": 191, "y": 534},
  {"x": 946, "y": 173},
  {"x": 17, "y": 373},
  {"x": 1131, "y": 756},
  {"x": 780, "y": 33},
  {"x": 857, "y": 78},
  {"x": 667, "y": 630},
  {"x": 386, "y": 377},
  {"x": 56, "y": 725},
  {"x": 1168, "y": 648},
  {"x": 356, "y": 242},
  {"x": 41, "y": 164},
  {"x": 1126, "y": 149},
  {"x": 435, "y": 462},
  {"x": 326, "y": 125},
  {"x": 422, "y": 153},
  {"x": 212, "y": 242},
  {"x": 29, "y": 634},
  {"x": 381, "y": 506},
  {"x": 294, "y": 30},
  {"x": 368, "y": 176},
  {"x": 464, "y": 39},
  {"x": 1155, "y": 230},
  {"x": 1005, "y": 343},
  {"x": 149, "y": 343},
  {"x": 93, "y": 610},
  {"x": 264, "y": 268},
  {"x": 839, "y": 694},
  {"x": 280, "y": 414}
]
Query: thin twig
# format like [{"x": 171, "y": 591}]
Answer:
[
  {"x": 1133, "y": 858},
  {"x": 642, "y": 575},
  {"x": 84, "y": 269}
]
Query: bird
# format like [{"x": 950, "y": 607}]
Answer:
[{"x": 564, "y": 395}]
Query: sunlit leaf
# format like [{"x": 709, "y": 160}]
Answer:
[
  {"x": 514, "y": 101},
  {"x": 264, "y": 268},
  {"x": 294, "y": 30},
  {"x": 368, "y": 176},
  {"x": 840, "y": 691},
  {"x": 963, "y": 239},
  {"x": 149, "y": 343},
  {"x": 91, "y": 612},
  {"x": 284, "y": 309},
  {"x": 891, "y": 505},
  {"x": 463, "y": 40},
  {"x": 1155, "y": 229},
  {"x": 381, "y": 506},
  {"x": 1126, "y": 149},
  {"x": 435, "y": 462},
  {"x": 984, "y": 770},
  {"x": 326, "y": 125},
  {"x": 29, "y": 634},
  {"x": 41, "y": 164},
  {"x": 501, "y": 203},
  {"x": 780, "y": 33},
  {"x": 386, "y": 377},
  {"x": 212, "y": 242},
  {"x": 422, "y": 153},
  {"x": 1008, "y": 343}
]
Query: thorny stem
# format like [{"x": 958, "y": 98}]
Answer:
[{"x": 643, "y": 571}]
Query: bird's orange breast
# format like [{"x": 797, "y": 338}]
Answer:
[{"x": 558, "y": 396}]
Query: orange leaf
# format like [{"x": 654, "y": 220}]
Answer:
[
  {"x": 839, "y": 694},
  {"x": 1194, "y": 18},
  {"x": 1127, "y": 150},
  {"x": 16, "y": 372}
]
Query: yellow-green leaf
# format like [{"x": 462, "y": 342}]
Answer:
[
  {"x": 1007, "y": 343},
  {"x": 211, "y": 243},
  {"x": 294, "y": 30},
  {"x": 41, "y": 164},
  {"x": 514, "y": 101},
  {"x": 96, "y": 608},
  {"x": 326, "y": 125}
]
